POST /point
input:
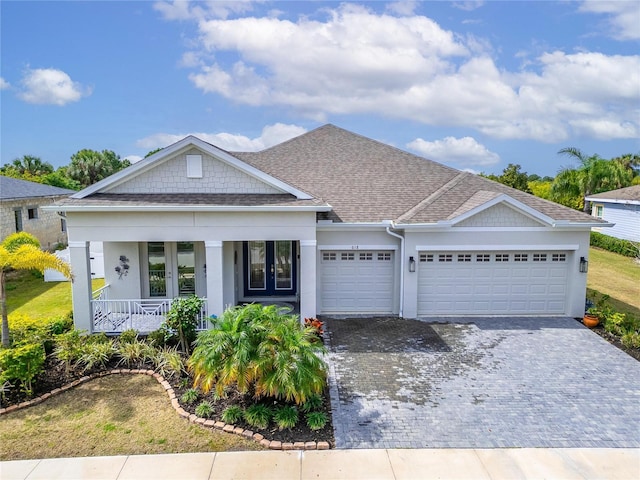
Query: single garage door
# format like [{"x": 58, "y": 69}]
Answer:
[
  {"x": 492, "y": 283},
  {"x": 360, "y": 281}
]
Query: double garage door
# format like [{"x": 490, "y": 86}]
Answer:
[
  {"x": 356, "y": 281},
  {"x": 492, "y": 283}
]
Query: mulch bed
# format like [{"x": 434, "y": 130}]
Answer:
[
  {"x": 615, "y": 341},
  {"x": 54, "y": 377}
]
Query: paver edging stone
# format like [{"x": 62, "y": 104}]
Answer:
[{"x": 175, "y": 403}]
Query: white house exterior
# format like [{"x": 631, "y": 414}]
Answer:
[
  {"x": 620, "y": 207},
  {"x": 332, "y": 221}
]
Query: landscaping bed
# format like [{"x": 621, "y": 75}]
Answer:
[{"x": 615, "y": 341}]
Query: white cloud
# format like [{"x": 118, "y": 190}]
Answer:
[
  {"x": 271, "y": 135},
  {"x": 133, "y": 158},
  {"x": 4, "y": 84},
  {"x": 623, "y": 17},
  {"x": 185, "y": 10},
  {"x": 465, "y": 151},
  {"x": 403, "y": 7},
  {"x": 356, "y": 61},
  {"x": 49, "y": 86},
  {"x": 468, "y": 5}
]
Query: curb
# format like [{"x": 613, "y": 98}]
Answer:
[{"x": 208, "y": 423}]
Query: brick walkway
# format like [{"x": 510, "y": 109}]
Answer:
[{"x": 479, "y": 383}]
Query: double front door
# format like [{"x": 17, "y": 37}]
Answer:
[
  {"x": 270, "y": 268},
  {"x": 174, "y": 269}
]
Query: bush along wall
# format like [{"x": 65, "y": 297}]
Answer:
[{"x": 612, "y": 244}]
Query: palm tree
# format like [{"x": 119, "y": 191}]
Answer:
[
  {"x": 593, "y": 175},
  {"x": 21, "y": 251},
  {"x": 89, "y": 166}
]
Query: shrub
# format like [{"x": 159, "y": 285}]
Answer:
[
  {"x": 314, "y": 402},
  {"x": 255, "y": 348},
  {"x": 286, "y": 417},
  {"x": 204, "y": 409},
  {"x": 22, "y": 363},
  {"x": 258, "y": 415},
  {"x": 68, "y": 348},
  {"x": 316, "y": 420},
  {"x": 232, "y": 414},
  {"x": 128, "y": 336},
  {"x": 25, "y": 329},
  {"x": 96, "y": 354},
  {"x": 190, "y": 396},
  {"x": 613, "y": 244},
  {"x": 134, "y": 352},
  {"x": 159, "y": 338},
  {"x": 168, "y": 361},
  {"x": 631, "y": 339},
  {"x": 183, "y": 318}
]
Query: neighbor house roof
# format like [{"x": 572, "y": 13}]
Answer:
[
  {"x": 14, "y": 189},
  {"x": 622, "y": 195},
  {"x": 368, "y": 181}
]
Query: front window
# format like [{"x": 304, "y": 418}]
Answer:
[
  {"x": 157, "y": 268},
  {"x": 598, "y": 210}
]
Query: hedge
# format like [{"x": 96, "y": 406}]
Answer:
[{"x": 613, "y": 244}]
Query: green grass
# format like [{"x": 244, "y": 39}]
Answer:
[
  {"x": 616, "y": 276},
  {"x": 28, "y": 294}
]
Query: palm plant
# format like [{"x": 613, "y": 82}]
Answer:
[
  {"x": 21, "y": 251},
  {"x": 593, "y": 175}
]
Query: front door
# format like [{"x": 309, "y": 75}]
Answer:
[
  {"x": 270, "y": 268},
  {"x": 172, "y": 269}
]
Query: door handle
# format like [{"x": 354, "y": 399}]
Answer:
[{"x": 272, "y": 270}]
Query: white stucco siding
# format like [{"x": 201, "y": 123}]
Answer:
[
  {"x": 171, "y": 177},
  {"x": 574, "y": 243},
  {"x": 191, "y": 226},
  {"x": 126, "y": 286}
]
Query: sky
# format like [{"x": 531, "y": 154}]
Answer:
[{"x": 475, "y": 85}]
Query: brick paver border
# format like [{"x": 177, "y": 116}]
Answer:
[{"x": 175, "y": 403}]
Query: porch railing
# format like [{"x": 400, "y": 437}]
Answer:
[{"x": 143, "y": 315}]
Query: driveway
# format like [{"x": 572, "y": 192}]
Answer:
[{"x": 479, "y": 383}]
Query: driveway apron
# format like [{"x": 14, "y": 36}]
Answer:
[{"x": 479, "y": 383}]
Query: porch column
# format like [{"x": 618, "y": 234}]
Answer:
[
  {"x": 215, "y": 277},
  {"x": 307, "y": 278},
  {"x": 81, "y": 286}
]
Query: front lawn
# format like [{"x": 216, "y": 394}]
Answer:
[
  {"x": 616, "y": 276},
  {"x": 28, "y": 294}
]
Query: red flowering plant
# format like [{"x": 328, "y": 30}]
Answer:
[{"x": 318, "y": 325}]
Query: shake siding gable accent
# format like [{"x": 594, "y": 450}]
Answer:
[
  {"x": 499, "y": 216},
  {"x": 172, "y": 176}
]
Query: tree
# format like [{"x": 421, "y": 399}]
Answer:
[
  {"x": 593, "y": 175},
  {"x": 30, "y": 166},
  {"x": 21, "y": 251},
  {"x": 512, "y": 177},
  {"x": 89, "y": 166}
]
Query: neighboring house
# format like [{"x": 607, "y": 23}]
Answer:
[
  {"x": 620, "y": 207},
  {"x": 21, "y": 209},
  {"x": 332, "y": 221}
]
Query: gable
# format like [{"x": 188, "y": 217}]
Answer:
[
  {"x": 499, "y": 215},
  {"x": 174, "y": 175}
]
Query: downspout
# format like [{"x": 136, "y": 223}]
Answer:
[{"x": 401, "y": 309}]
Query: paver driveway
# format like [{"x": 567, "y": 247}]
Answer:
[{"x": 479, "y": 383}]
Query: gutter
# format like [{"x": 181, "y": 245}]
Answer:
[{"x": 390, "y": 225}]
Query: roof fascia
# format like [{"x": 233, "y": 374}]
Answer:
[
  {"x": 612, "y": 200},
  {"x": 188, "y": 208},
  {"x": 327, "y": 227},
  {"x": 186, "y": 142}
]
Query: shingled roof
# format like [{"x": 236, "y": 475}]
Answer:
[
  {"x": 628, "y": 194},
  {"x": 368, "y": 181},
  {"x": 14, "y": 189}
]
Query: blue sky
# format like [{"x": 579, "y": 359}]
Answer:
[{"x": 475, "y": 85}]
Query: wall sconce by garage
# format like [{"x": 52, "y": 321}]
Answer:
[
  {"x": 123, "y": 268},
  {"x": 412, "y": 264},
  {"x": 584, "y": 265}
]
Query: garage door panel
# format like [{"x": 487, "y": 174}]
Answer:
[
  {"x": 492, "y": 283},
  {"x": 356, "y": 282}
]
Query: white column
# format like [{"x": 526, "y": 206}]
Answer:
[
  {"x": 307, "y": 278},
  {"x": 81, "y": 286},
  {"x": 215, "y": 277}
]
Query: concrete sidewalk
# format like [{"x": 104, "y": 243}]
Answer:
[{"x": 476, "y": 464}]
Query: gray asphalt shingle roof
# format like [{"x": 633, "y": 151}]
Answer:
[
  {"x": 628, "y": 193},
  {"x": 13, "y": 188}
]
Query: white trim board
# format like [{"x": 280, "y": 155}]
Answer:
[
  {"x": 357, "y": 247},
  {"x": 483, "y": 248}
]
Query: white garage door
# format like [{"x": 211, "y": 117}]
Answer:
[
  {"x": 492, "y": 283},
  {"x": 359, "y": 282}
]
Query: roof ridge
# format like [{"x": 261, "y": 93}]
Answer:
[{"x": 431, "y": 198}]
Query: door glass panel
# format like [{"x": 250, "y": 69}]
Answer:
[
  {"x": 186, "y": 269},
  {"x": 282, "y": 262},
  {"x": 257, "y": 266},
  {"x": 157, "y": 269}
]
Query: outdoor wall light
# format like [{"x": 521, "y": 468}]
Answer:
[
  {"x": 412, "y": 264},
  {"x": 584, "y": 265}
]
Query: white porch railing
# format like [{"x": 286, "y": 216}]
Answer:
[{"x": 144, "y": 315}]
